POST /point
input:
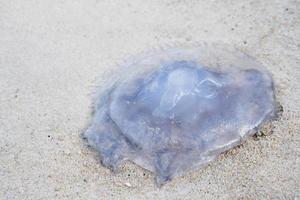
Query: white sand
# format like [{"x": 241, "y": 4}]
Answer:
[{"x": 51, "y": 54}]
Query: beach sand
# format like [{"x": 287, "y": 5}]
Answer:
[{"x": 54, "y": 53}]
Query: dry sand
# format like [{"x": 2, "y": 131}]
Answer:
[{"x": 53, "y": 52}]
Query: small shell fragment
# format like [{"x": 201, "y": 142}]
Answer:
[{"x": 177, "y": 110}]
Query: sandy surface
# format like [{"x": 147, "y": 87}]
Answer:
[{"x": 52, "y": 54}]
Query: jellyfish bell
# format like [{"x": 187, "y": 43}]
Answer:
[{"x": 176, "y": 110}]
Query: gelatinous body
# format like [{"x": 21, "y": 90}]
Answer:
[{"x": 179, "y": 109}]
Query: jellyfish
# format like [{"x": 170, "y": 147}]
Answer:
[{"x": 176, "y": 110}]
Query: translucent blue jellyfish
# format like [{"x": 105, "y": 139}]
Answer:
[{"x": 177, "y": 110}]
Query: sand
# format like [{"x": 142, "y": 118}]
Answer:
[{"x": 54, "y": 53}]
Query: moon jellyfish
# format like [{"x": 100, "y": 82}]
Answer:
[{"x": 176, "y": 110}]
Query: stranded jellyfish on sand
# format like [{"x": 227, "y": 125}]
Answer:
[{"x": 178, "y": 109}]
